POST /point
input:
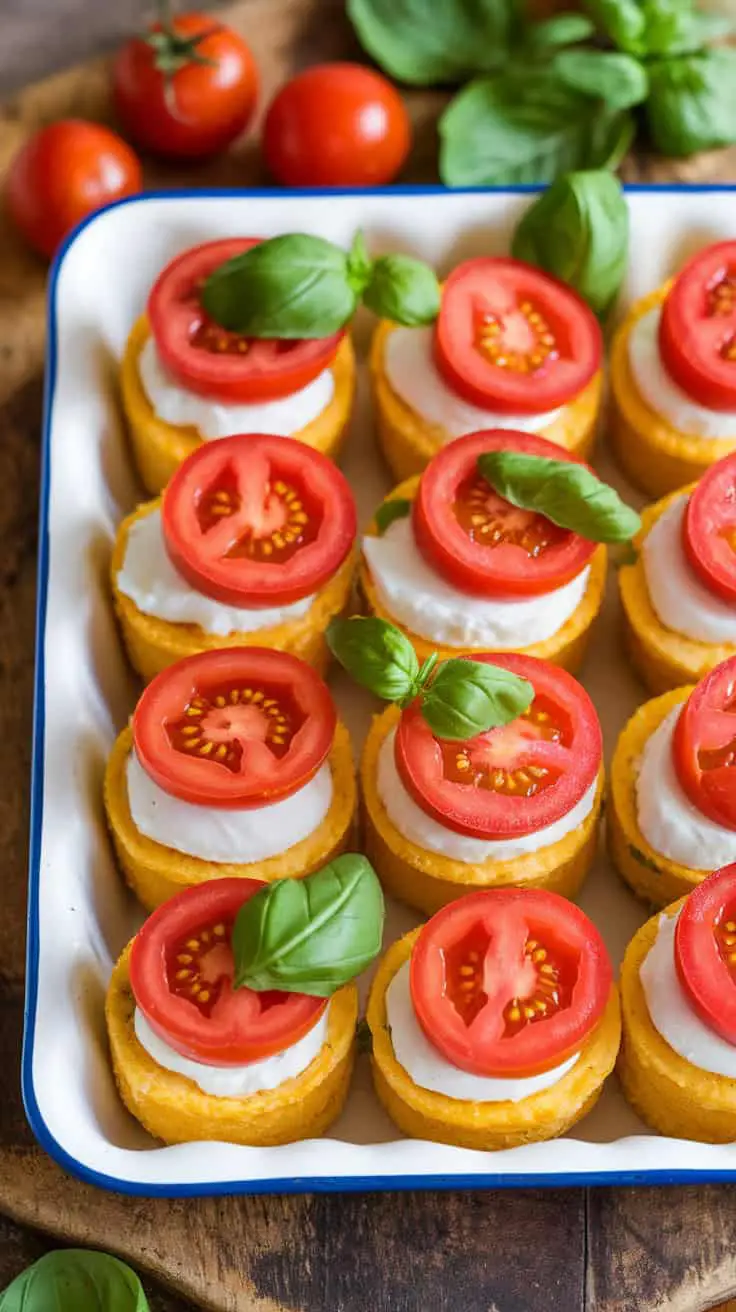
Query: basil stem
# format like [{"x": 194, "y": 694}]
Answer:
[
  {"x": 392, "y": 509},
  {"x": 564, "y": 491}
]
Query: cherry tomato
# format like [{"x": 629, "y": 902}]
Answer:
[
  {"x": 704, "y": 745},
  {"x": 336, "y": 125},
  {"x": 212, "y": 361},
  {"x": 697, "y": 327},
  {"x": 705, "y": 951},
  {"x": 181, "y": 974},
  {"x": 509, "y": 982},
  {"x": 254, "y": 520},
  {"x": 64, "y": 172},
  {"x": 237, "y": 728},
  {"x": 709, "y": 528},
  {"x": 517, "y": 778},
  {"x": 187, "y": 88},
  {"x": 478, "y": 541},
  {"x": 511, "y": 338}
]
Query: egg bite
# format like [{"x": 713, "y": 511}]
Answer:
[
  {"x": 234, "y": 764},
  {"x": 511, "y": 370},
  {"x": 476, "y": 1040},
  {"x": 185, "y": 380},
  {"x": 251, "y": 544}
]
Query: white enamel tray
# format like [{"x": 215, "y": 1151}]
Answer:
[{"x": 80, "y": 915}]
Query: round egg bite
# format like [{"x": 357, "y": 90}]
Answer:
[
  {"x": 424, "y": 1114},
  {"x": 159, "y": 447}
]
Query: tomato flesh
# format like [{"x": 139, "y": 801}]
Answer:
[
  {"x": 181, "y": 974},
  {"x": 213, "y": 362},
  {"x": 704, "y": 745},
  {"x": 479, "y": 542},
  {"x": 509, "y": 982},
  {"x": 709, "y": 529},
  {"x": 705, "y": 951},
  {"x": 236, "y": 728},
  {"x": 697, "y": 328},
  {"x": 255, "y": 520},
  {"x": 515, "y": 779},
  {"x": 511, "y": 338}
]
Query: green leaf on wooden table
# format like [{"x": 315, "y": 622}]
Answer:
[
  {"x": 561, "y": 30},
  {"x": 692, "y": 102},
  {"x": 567, "y": 493},
  {"x": 617, "y": 79},
  {"x": 425, "y": 42},
  {"x": 468, "y": 697},
  {"x": 377, "y": 655},
  {"x": 75, "y": 1280},
  {"x": 391, "y": 510},
  {"x": 404, "y": 290},
  {"x": 310, "y": 935}
]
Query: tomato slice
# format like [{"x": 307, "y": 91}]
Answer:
[
  {"x": 478, "y": 541},
  {"x": 704, "y": 745},
  {"x": 181, "y": 973},
  {"x": 697, "y": 327},
  {"x": 509, "y": 982},
  {"x": 517, "y": 778},
  {"x": 236, "y": 728},
  {"x": 255, "y": 520},
  {"x": 709, "y": 528},
  {"x": 211, "y": 361},
  {"x": 514, "y": 339},
  {"x": 705, "y": 951}
]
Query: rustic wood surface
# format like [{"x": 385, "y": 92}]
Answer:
[{"x": 531, "y": 1251}]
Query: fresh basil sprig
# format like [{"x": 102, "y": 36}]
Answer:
[
  {"x": 75, "y": 1280},
  {"x": 458, "y": 698},
  {"x": 424, "y": 43},
  {"x": 565, "y": 492},
  {"x": 389, "y": 511},
  {"x": 310, "y": 935},
  {"x": 578, "y": 230}
]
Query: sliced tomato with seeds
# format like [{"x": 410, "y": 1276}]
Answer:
[
  {"x": 697, "y": 327},
  {"x": 181, "y": 974},
  {"x": 509, "y": 982},
  {"x": 709, "y": 529},
  {"x": 239, "y": 727},
  {"x": 211, "y": 361},
  {"x": 478, "y": 541},
  {"x": 515, "y": 779},
  {"x": 704, "y": 745},
  {"x": 255, "y": 520},
  {"x": 705, "y": 951},
  {"x": 511, "y": 338}
]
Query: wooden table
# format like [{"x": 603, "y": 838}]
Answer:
[{"x": 603, "y": 1250}]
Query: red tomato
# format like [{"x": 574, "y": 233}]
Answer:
[
  {"x": 704, "y": 745},
  {"x": 709, "y": 528},
  {"x": 63, "y": 173},
  {"x": 237, "y": 728},
  {"x": 254, "y": 520},
  {"x": 697, "y": 327},
  {"x": 208, "y": 359},
  {"x": 705, "y": 951},
  {"x": 336, "y": 125},
  {"x": 511, "y": 338},
  {"x": 509, "y": 982},
  {"x": 515, "y": 779},
  {"x": 478, "y": 541},
  {"x": 187, "y": 88},
  {"x": 181, "y": 973}
]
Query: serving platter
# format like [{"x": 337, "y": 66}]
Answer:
[{"x": 80, "y": 914}]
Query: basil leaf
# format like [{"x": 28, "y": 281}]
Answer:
[
  {"x": 310, "y": 935},
  {"x": 404, "y": 290},
  {"x": 288, "y": 287},
  {"x": 623, "y": 21},
  {"x": 377, "y": 655},
  {"x": 75, "y": 1280},
  {"x": 423, "y": 42},
  {"x": 692, "y": 102},
  {"x": 562, "y": 30},
  {"x": 578, "y": 230},
  {"x": 468, "y": 697},
  {"x": 563, "y": 491},
  {"x": 616, "y": 78},
  {"x": 672, "y": 27},
  {"x": 388, "y": 511}
]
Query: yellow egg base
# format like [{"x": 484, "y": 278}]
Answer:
[
  {"x": 156, "y": 872},
  {"x": 159, "y": 448}
]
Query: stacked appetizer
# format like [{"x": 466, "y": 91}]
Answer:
[
  {"x": 673, "y": 375},
  {"x": 250, "y": 544},
  {"x": 234, "y": 764},
  {"x": 496, "y": 1023}
]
